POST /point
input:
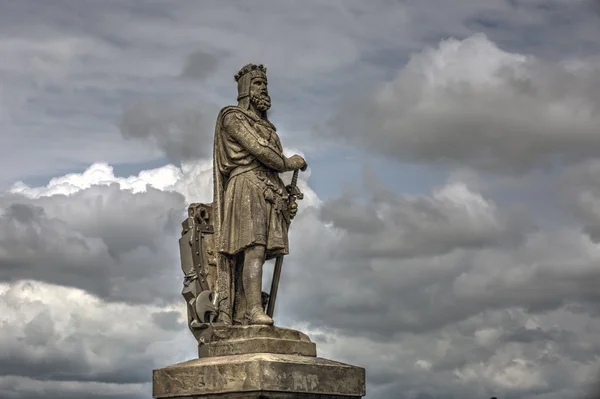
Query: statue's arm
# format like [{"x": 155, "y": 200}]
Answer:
[{"x": 239, "y": 129}]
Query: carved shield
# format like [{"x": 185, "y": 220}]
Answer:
[{"x": 198, "y": 264}]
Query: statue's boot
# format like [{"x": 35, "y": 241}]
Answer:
[
  {"x": 256, "y": 315},
  {"x": 252, "y": 278}
]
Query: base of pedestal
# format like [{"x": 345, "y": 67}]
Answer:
[
  {"x": 259, "y": 375},
  {"x": 267, "y": 395}
]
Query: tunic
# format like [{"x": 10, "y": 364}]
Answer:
[{"x": 253, "y": 207}]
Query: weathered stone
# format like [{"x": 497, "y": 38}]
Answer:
[
  {"x": 224, "y": 244},
  {"x": 257, "y": 345},
  {"x": 267, "y": 395},
  {"x": 239, "y": 340},
  {"x": 222, "y": 333},
  {"x": 267, "y": 374}
]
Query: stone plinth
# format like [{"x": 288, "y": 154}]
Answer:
[
  {"x": 238, "y": 340},
  {"x": 259, "y": 375},
  {"x": 258, "y": 362}
]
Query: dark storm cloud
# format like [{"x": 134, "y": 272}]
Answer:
[
  {"x": 107, "y": 241},
  {"x": 422, "y": 295}
]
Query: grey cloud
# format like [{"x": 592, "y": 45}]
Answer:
[
  {"x": 580, "y": 193},
  {"x": 596, "y": 6},
  {"x": 473, "y": 358},
  {"x": 169, "y": 321},
  {"x": 468, "y": 103},
  {"x": 524, "y": 335},
  {"x": 347, "y": 215},
  {"x": 403, "y": 378},
  {"x": 75, "y": 67},
  {"x": 392, "y": 312},
  {"x": 182, "y": 132},
  {"x": 392, "y": 226},
  {"x": 544, "y": 28},
  {"x": 334, "y": 284},
  {"x": 110, "y": 242},
  {"x": 95, "y": 345},
  {"x": 12, "y": 387},
  {"x": 138, "y": 50},
  {"x": 199, "y": 65},
  {"x": 115, "y": 247}
]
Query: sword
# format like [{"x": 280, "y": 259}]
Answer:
[{"x": 293, "y": 194}]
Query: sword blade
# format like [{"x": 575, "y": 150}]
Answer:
[
  {"x": 274, "y": 285},
  {"x": 278, "y": 264}
]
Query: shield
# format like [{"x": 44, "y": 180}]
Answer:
[{"x": 198, "y": 263}]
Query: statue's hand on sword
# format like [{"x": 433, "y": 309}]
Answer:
[
  {"x": 296, "y": 162},
  {"x": 293, "y": 209}
]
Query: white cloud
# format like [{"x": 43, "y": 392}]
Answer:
[
  {"x": 64, "y": 340},
  {"x": 102, "y": 174}
]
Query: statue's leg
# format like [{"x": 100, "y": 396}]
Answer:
[
  {"x": 254, "y": 259},
  {"x": 239, "y": 310},
  {"x": 224, "y": 288}
]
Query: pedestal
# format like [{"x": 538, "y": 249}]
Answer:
[
  {"x": 239, "y": 340},
  {"x": 277, "y": 364}
]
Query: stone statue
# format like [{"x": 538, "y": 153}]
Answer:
[
  {"x": 223, "y": 248},
  {"x": 251, "y": 212}
]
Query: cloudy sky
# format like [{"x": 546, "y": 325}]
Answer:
[{"x": 449, "y": 240}]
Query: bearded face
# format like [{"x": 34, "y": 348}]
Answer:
[{"x": 259, "y": 95}]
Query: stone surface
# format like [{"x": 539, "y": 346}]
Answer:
[
  {"x": 251, "y": 375},
  {"x": 239, "y": 340},
  {"x": 267, "y": 395}
]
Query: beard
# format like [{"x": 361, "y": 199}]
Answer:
[{"x": 261, "y": 101}]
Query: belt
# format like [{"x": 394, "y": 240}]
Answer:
[{"x": 243, "y": 169}]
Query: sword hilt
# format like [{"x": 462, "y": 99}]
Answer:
[{"x": 292, "y": 189}]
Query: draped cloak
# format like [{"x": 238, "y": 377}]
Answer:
[{"x": 249, "y": 206}]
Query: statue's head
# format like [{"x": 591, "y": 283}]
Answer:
[{"x": 252, "y": 87}]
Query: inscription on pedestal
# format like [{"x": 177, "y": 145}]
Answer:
[
  {"x": 239, "y": 340},
  {"x": 256, "y": 373}
]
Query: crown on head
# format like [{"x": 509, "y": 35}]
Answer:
[{"x": 250, "y": 68}]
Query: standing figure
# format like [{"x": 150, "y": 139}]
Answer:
[{"x": 252, "y": 212}]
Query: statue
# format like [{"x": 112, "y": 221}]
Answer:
[
  {"x": 248, "y": 221},
  {"x": 223, "y": 247}
]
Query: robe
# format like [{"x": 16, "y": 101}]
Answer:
[{"x": 250, "y": 202}]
